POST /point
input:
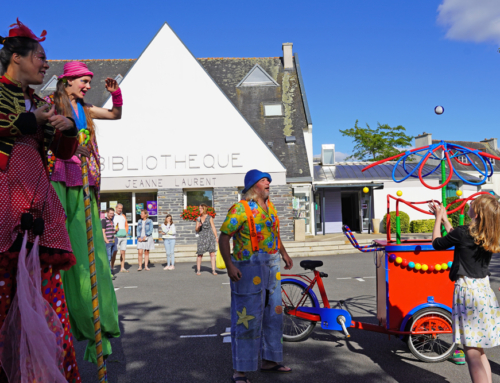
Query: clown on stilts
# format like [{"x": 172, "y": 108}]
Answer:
[
  {"x": 36, "y": 343},
  {"x": 66, "y": 177}
]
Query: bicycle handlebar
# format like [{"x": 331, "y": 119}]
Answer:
[{"x": 354, "y": 242}]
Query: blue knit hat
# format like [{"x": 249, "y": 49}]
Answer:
[{"x": 253, "y": 176}]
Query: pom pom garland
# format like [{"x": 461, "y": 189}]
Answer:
[{"x": 417, "y": 266}]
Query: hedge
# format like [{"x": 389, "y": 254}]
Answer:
[
  {"x": 423, "y": 225},
  {"x": 455, "y": 217},
  {"x": 404, "y": 220}
]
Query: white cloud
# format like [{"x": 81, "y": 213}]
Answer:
[
  {"x": 471, "y": 20},
  {"x": 339, "y": 156}
]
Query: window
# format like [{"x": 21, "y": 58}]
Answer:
[
  {"x": 451, "y": 189},
  {"x": 112, "y": 199},
  {"x": 463, "y": 159},
  {"x": 328, "y": 154},
  {"x": 119, "y": 79},
  {"x": 196, "y": 197},
  {"x": 271, "y": 110},
  {"x": 492, "y": 160},
  {"x": 51, "y": 85},
  {"x": 257, "y": 77}
]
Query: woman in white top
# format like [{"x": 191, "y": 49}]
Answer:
[{"x": 168, "y": 229}]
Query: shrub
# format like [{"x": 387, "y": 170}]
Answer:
[
  {"x": 404, "y": 222},
  {"x": 455, "y": 217},
  {"x": 423, "y": 225},
  {"x": 192, "y": 212}
]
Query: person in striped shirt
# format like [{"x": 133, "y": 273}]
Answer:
[{"x": 109, "y": 231}]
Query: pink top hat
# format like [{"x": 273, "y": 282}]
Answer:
[{"x": 76, "y": 69}]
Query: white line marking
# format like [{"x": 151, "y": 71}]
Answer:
[
  {"x": 227, "y": 333},
  {"x": 130, "y": 287},
  {"x": 345, "y": 278},
  {"x": 199, "y": 336},
  {"x": 226, "y": 283},
  {"x": 117, "y": 288},
  {"x": 360, "y": 279},
  {"x": 367, "y": 277}
]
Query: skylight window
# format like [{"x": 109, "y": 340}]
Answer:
[
  {"x": 51, "y": 84},
  {"x": 257, "y": 77},
  {"x": 273, "y": 110},
  {"x": 119, "y": 79}
]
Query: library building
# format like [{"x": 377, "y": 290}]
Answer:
[{"x": 192, "y": 127}]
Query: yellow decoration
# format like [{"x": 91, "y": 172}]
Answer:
[
  {"x": 438, "y": 267},
  {"x": 243, "y": 318},
  {"x": 365, "y": 190},
  {"x": 399, "y": 260},
  {"x": 425, "y": 267},
  {"x": 278, "y": 276},
  {"x": 418, "y": 266},
  {"x": 444, "y": 266},
  {"x": 459, "y": 193},
  {"x": 256, "y": 281},
  {"x": 399, "y": 193}
]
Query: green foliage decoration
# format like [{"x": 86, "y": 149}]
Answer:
[{"x": 404, "y": 220}]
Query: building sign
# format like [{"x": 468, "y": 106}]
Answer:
[
  {"x": 180, "y": 182},
  {"x": 112, "y": 166}
]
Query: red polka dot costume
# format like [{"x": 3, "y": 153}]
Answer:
[{"x": 25, "y": 187}]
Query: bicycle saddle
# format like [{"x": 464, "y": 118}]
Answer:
[{"x": 311, "y": 265}]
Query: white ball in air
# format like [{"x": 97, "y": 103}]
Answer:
[{"x": 439, "y": 109}]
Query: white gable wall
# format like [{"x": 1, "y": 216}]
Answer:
[{"x": 177, "y": 122}]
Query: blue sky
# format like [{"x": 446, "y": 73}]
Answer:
[{"x": 387, "y": 61}]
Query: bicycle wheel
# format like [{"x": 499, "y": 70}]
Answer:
[
  {"x": 431, "y": 348},
  {"x": 295, "y": 329}
]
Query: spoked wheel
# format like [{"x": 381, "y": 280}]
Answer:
[
  {"x": 292, "y": 295},
  {"x": 432, "y": 348}
]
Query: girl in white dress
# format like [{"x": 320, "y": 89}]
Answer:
[{"x": 476, "y": 314}]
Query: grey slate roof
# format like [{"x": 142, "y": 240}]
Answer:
[
  {"x": 98, "y": 94},
  {"x": 250, "y": 100},
  {"x": 351, "y": 172}
]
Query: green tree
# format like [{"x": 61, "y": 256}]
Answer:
[{"x": 377, "y": 144}]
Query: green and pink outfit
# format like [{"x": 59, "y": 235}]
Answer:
[{"x": 66, "y": 178}]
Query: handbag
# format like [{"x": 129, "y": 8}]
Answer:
[{"x": 219, "y": 261}]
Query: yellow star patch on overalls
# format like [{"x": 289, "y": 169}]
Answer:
[{"x": 243, "y": 318}]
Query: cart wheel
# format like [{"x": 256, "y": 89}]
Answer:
[
  {"x": 295, "y": 329},
  {"x": 432, "y": 348}
]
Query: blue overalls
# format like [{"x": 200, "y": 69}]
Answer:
[{"x": 256, "y": 312}]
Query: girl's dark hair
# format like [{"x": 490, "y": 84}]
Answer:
[{"x": 21, "y": 45}]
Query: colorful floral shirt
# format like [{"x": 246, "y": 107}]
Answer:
[{"x": 236, "y": 226}]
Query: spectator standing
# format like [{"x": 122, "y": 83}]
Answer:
[
  {"x": 144, "y": 239},
  {"x": 207, "y": 238},
  {"x": 109, "y": 231},
  {"x": 168, "y": 230},
  {"x": 475, "y": 311},
  {"x": 121, "y": 224}
]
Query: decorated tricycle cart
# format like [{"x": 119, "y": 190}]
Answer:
[{"x": 414, "y": 293}]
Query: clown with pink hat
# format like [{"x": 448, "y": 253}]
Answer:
[{"x": 67, "y": 180}]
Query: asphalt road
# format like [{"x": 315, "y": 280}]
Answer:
[{"x": 157, "y": 307}]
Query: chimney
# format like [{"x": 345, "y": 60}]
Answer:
[
  {"x": 423, "y": 140},
  {"x": 492, "y": 142},
  {"x": 287, "y": 56}
]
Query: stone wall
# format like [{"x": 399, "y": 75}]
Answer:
[
  {"x": 171, "y": 201},
  {"x": 281, "y": 196}
]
